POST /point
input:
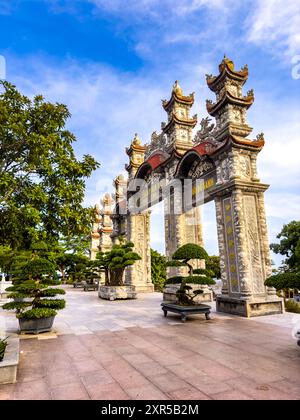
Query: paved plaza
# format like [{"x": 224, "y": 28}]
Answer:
[{"x": 128, "y": 350}]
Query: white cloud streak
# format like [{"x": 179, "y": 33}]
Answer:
[{"x": 275, "y": 24}]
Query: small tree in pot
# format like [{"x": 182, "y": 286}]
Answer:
[
  {"x": 37, "y": 311},
  {"x": 114, "y": 264},
  {"x": 185, "y": 285},
  {"x": 181, "y": 293}
]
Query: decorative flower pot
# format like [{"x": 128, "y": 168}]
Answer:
[
  {"x": 36, "y": 325},
  {"x": 117, "y": 292}
]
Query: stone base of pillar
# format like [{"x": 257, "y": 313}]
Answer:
[
  {"x": 250, "y": 308},
  {"x": 144, "y": 288}
]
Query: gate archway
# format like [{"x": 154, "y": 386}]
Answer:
[{"x": 218, "y": 163}]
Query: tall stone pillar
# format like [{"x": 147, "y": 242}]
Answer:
[
  {"x": 240, "y": 212},
  {"x": 105, "y": 242},
  {"x": 138, "y": 231},
  {"x": 95, "y": 234},
  {"x": 138, "y": 228},
  {"x": 181, "y": 229}
]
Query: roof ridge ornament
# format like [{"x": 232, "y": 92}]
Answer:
[{"x": 177, "y": 89}]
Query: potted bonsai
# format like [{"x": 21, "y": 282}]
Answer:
[
  {"x": 197, "y": 278},
  {"x": 34, "y": 302},
  {"x": 113, "y": 264},
  {"x": 183, "y": 293}
]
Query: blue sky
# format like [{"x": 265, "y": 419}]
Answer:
[{"x": 112, "y": 62}]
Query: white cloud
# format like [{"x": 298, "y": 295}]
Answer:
[{"x": 275, "y": 24}]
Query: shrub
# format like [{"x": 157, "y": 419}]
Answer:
[
  {"x": 292, "y": 306},
  {"x": 284, "y": 281}
]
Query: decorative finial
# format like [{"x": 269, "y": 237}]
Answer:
[
  {"x": 136, "y": 140},
  {"x": 177, "y": 88}
]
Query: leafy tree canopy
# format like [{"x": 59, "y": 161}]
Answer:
[
  {"x": 289, "y": 245},
  {"x": 158, "y": 269},
  {"x": 41, "y": 182}
]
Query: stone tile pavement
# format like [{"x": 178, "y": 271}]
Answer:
[{"x": 128, "y": 350}]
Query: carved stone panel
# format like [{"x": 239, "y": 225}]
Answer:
[
  {"x": 254, "y": 246},
  {"x": 230, "y": 246}
]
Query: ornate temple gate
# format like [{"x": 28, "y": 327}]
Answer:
[{"x": 218, "y": 163}]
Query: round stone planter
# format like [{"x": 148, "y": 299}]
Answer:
[
  {"x": 117, "y": 292},
  {"x": 35, "y": 326}
]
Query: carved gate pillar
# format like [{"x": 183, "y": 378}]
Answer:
[
  {"x": 179, "y": 230},
  {"x": 238, "y": 193},
  {"x": 138, "y": 228},
  {"x": 138, "y": 231}
]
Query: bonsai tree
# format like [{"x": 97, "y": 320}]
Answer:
[
  {"x": 185, "y": 295},
  {"x": 113, "y": 263},
  {"x": 120, "y": 257},
  {"x": 182, "y": 257},
  {"x": 34, "y": 298},
  {"x": 185, "y": 253}
]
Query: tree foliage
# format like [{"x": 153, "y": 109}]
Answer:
[
  {"x": 213, "y": 263},
  {"x": 41, "y": 182},
  {"x": 284, "y": 281},
  {"x": 158, "y": 270},
  {"x": 289, "y": 245}
]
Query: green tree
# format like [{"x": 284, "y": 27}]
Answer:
[
  {"x": 41, "y": 182},
  {"x": 289, "y": 245},
  {"x": 158, "y": 270},
  {"x": 213, "y": 263}
]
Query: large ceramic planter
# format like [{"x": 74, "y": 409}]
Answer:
[
  {"x": 117, "y": 292},
  {"x": 9, "y": 364},
  {"x": 171, "y": 289},
  {"x": 35, "y": 326}
]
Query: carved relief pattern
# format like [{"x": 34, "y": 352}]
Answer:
[
  {"x": 230, "y": 240},
  {"x": 158, "y": 142},
  {"x": 254, "y": 253},
  {"x": 199, "y": 168}
]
